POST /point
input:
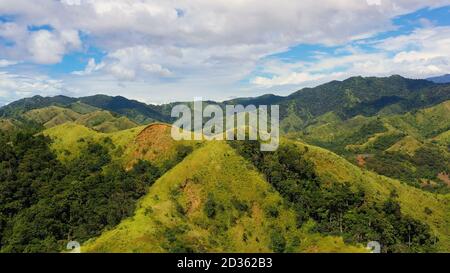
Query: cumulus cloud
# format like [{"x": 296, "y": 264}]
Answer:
[
  {"x": 205, "y": 24},
  {"x": 423, "y": 53},
  {"x": 128, "y": 63},
  {"x": 211, "y": 45},
  {"x": 91, "y": 67},
  {"x": 15, "y": 86},
  {"x": 46, "y": 47},
  {"x": 41, "y": 46}
]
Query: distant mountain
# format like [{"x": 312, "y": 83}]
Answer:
[
  {"x": 440, "y": 79},
  {"x": 412, "y": 147},
  {"x": 381, "y": 173},
  {"x": 354, "y": 96},
  {"x": 136, "y": 111}
]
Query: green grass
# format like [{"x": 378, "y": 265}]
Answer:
[
  {"x": 421, "y": 124},
  {"x": 99, "y": 120},
  {"x": 7, "y": 125},
  {"x": 443, "y": 139},
  {"x": 104, "y": 121},
  {"x": 407, "y": 145},
  {"x": 425, "y": 123},
  {"x": 82, "y": 108},
  {"x": 52, "y": 116},
  {"x": 413, "y": 201},
  {"x": 152, "y": 143},
  {"x": 172, "y": 216},
  {"x": 70, "y": 138}
]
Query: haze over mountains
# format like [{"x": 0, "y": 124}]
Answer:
[{"x": 440, "y": 79}]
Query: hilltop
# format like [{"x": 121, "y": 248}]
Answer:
[
  {"x": 412, "y": 147},
  {"x": 213, "y": 201},
  {"x": 361, "y": 159},
  {"x": 367, "y": 96}
]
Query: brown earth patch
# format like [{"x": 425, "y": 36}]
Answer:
[
  {"x": 257, "y": 213},
  {"x": 153, "y": 143},
  {"x": 427, "y": 183},
  {"x": 361, "y": 159},
  {"x": 192, "y": 192},
  {"x": 444, "y": 177}
]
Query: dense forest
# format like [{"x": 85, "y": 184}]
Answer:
[
  {"x": 44, "y": 203},
  {"x": 57, "y": 186},
  {"x": 337, "y": 208}
]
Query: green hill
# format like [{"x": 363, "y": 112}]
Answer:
[
  {"x": 363, "y": 159},
  {"x": 443, "y": 139},
  {"x": 421, "y": 124},
  {"x": 413, "y": 201},
  {"x": 367, "y": 96},
  {"x": 223, "y": 198},
  {"x": 424, "y": 123},
  {"x": 51, "y": 116},
  {"x": 152, "y": 143},
  {"x": 412, "y": 147},
  {"x": 99, "y": 120},
  {"x": 7, "y": 125},
  {"x": 69, "y": 139},
  {"x": 136, "y": 111},
  {"x": 407, "y": 145},
  {"x": 213, "y": 201},
  {"x": 104, "y": 121}
]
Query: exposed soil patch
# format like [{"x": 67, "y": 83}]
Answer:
[
  {"x": 192, "y": 193},
  {"x": 444, "y": 177},
  {"x": 257, "y": 213},
  {"x": 153, "y": 143},
  {"x": 361, "y": 159}
]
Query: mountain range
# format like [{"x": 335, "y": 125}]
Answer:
[
  {"x": 348, "y": 98},
  {"x": 360, "y": 160}
]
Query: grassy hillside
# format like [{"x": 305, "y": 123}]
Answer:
[
  {"x": 443, "y": 139},
  {"x": 421, "y": 124},
  {"x": 206, "y": 204},
  {"x": 368, "y": 96},
  {"x": 82, "y": 108},
  {"x": 104, "y": 121},
  {"x": 51, "y": 116},
  {"x": 413, "y": 201},
  {"x": 213, "y": 201},
  {"x": 69, "y": 139},
  {"x": 412, "y": 147},
  {"x": 152, "y": 143},
  {"x": 424, "y": 123},
  {"x": 99, "y": 120},
  {"x": 7, "y": 125},
  {"x": 407, "y": 145}
]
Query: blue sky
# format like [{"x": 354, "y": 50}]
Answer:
[{"x": 160, "y": 51}]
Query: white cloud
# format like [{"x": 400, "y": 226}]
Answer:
[
  {"x": 91, "y": 67},
  {"x": 140, "y": 61},
  {"x": 423, "y": 53},
  {"x": 5, "y": 63},
  {"x": 15, "y": 86},
  {"x": 205, "y": 24},
  {"x": 46, "y": 47},
  {"x": 201, "y": 45}
]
